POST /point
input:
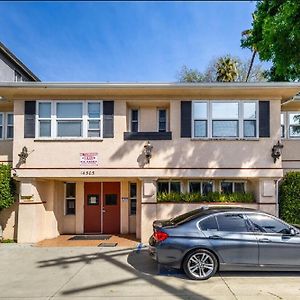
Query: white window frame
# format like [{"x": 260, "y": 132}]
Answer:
[
  {"x": 233, "y": 186},
  {"x": 3, "y": 125},
  {"x": 85, "y": 118},
  {"x": 138, "y": 120},
  {"x": 201, "y": 184},
  {"x": 6, "y": 125},
  {"x": 133, "y": 198},
  {"x": 240, "y": 119},
  {"x": 69, "y": 198},
  {"x": 288, "y": 125},
  {"x": 169, "y": 183},
  {"x": 167, "y": 119}
]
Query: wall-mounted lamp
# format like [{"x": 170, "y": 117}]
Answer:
[
  {"x": 276, "y": 151},
  {"x": 148, "y": 151},
  {"x": 23, "y": 155}
]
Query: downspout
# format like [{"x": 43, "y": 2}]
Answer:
[{"x": 277, "y": 196}]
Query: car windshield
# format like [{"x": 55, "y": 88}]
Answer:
[{"x": 188, "y": 216}]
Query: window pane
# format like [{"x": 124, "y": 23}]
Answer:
[
  {"x": 1, "y": 119},
  {"x": 232, "y": 223},
  {"x": 175, "y": 186},
  {"x": 227, "y": 187},
  {"x": 94, "y": 110},
  {"x": 134, "y": 126},
  {"x": 133, "y": 206},
  {"x": 10, "y": 132},
  {"x": 163, "y": 187},
  {"x": 45, "y": 110},
  {"x": 225, "y": 128},
  {"x": 227, "y": 110},
  {"x": 249, "y": 128},
  {"x": 162, "y": 120},
  {"x": 249, "y": 110},
  {"x": 207, "y": 187},
  {"x": 94, "y": 124},
  {"x": 162, "y": 126},
  {"x": 70, "y": 190},
  {"x": 209, "y": 224},
  {"x": 239, "y": 187},
  {"x": 70, "y": 209},
  {"x": 200, "y": 110},
  {"x": 69, "y": 129},
  {"x": 132, "y": 190},
  {"x": 200, "y": 128},
  {"x": 195, "y": 187},
  {"x": 294, "y": 119},
  {"x": 267, "y": 224},
  {"x": 69, "y": 110},
  {"x": 162, "y": 115},
  {"x": 294, "y": 131},
  {"x": 1, "y": 132},
  {"x": 45, "y": 128},
  {"x": 10, "y": 119},
  {"x": 133, "y": 198},
  {"x": 94, "y": 133},
  {"x": 134, "y": 114},
  {"x": 282, "y": 119}
]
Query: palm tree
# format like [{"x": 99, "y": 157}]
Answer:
[{"x": 226, "y": 69}]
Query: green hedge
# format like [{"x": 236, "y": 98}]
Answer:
[
  {"x": 7, "y": 187},
  {"x": 210, "y": 197},
  {"x": 289, "y": 198}
]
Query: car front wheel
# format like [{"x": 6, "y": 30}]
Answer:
[{"x": 200, "y": 265}]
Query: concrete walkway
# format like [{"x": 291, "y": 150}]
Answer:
[{"x": 28, "y": 272}]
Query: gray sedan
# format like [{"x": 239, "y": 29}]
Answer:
[{"x": 209, "y": 239}]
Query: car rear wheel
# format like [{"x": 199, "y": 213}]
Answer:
[{"x": 200, "y": 265}]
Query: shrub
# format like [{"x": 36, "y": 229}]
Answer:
[
  {"x": 7, "y": 187},
  {"x": 289, "y": 198},
  {"x": 210, "y": 197}
]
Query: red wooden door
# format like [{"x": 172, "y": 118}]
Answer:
[
  {"x": 111, "y": 207},
  {"x": 92, "y": 207}
]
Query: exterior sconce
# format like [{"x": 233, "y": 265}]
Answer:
[
  {"x": 148, "y": 151},
  {"x": 23, "y": 155},
  {"x": 276, "y": 151}
]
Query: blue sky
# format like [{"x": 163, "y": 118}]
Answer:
[{"x": 122, "y": 41}]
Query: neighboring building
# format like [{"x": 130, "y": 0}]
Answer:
[{"x": 87, "y": 171}]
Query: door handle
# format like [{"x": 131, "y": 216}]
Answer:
[
  {"x": 214, "y": 236},
  {"x": 103, "y": 210},
  {"x": 265, "y": 240}
]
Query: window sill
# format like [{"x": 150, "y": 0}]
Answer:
[
  {"x": 69, "y": 140},
  {"x": 225, "y": 139},
  {"x": 136, "y": 136}
]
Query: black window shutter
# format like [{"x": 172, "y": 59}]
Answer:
[
  {"x": 108, "y": 119},
  {"x": 186, "y": 119},
  {"x": 264, "y": 118},
  {"x": 29, "y": 119}
]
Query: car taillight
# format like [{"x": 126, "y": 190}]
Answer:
[{"x": 160, "y": 236}]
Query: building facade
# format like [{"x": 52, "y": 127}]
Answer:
[{"x": 91, "y": 158}]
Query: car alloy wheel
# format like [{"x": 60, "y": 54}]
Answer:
[{"x": 200, "y": 265}]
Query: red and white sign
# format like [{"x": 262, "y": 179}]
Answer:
[{"x": 88, "y": 159}]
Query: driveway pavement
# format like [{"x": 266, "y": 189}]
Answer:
[{"x": 28, "y": 272}]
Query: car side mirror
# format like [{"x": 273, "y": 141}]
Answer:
[{"x": 292, "y": 231}]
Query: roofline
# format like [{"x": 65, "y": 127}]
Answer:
[
  {"x": 18, "y": 62},
  {"x": 173, "y": 85}
]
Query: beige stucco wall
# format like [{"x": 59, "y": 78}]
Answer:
[{"x": 9, "y": 221}]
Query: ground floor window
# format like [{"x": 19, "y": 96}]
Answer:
[
  {"x": 132, "y": 198},
  {"x": 229, "y": 187},
  {"x": 201, "y": 187},
  {"x": 70, "y": 196},
  {"x": 168, "y": 186}
]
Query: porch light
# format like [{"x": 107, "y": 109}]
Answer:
[
  {"x": 23, "y": 155},
  {"x": 276, "y": 151},
  {"x": 148, "y": 151}
]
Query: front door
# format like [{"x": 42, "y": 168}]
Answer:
[
  {"x": 111, "y": 207},
  {"x": 92, "y": 207}
]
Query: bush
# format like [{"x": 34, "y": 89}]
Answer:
[
  {"x": 289, "y": 198},
  {"x": 210, "y": 197},
  {"x": 7, "y": 187}
]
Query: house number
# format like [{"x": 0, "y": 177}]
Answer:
[{"x": 87, "y": 173}]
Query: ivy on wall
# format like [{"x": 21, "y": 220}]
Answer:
[
  {"x": 7, "y": 187},
  {"x": 289, "y": 198}
]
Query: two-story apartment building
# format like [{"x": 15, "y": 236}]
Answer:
[{"x": 91, "y": 158}]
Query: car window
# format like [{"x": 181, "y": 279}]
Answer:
[
  {"x": 263, "y": 223},
  {"x": 209, "y": 223},
  {"x": 232, "y": 223}
]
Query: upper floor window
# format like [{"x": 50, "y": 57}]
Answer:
[
  {"x": 134, "y": 125},
  {"x": 6, "y": 125},
  {"x": 18, "y": 77},
  {"x": 200, "y": 187},
  {"x": 218, "y": 119},
  {"x": 168, "y": 186},
  {"x": 282, "y": 125},
  {"x": 162, "y": 120},
  {"x": 69, "y": 119},
  {"x": 294, "y": 125},
  {"x": 229, "y": 187}
]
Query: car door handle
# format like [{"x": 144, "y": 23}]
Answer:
[
  {"x": 214, "y": 236},
  {"x": 265, "y": 240}
]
